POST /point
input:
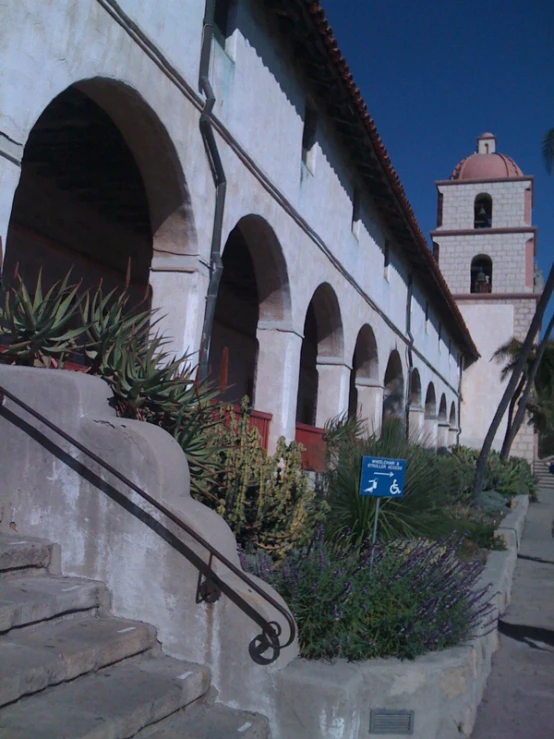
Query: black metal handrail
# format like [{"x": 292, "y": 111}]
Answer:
[{"x": 211, "y": 588}]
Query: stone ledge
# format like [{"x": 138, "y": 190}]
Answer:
[{"x": 320, "y": 700}]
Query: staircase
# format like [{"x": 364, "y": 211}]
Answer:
[
  {"x": 544, "y": 477},
  {"x": 71, "y": 670}
]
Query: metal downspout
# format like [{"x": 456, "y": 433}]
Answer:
[
  {"x": 459, "y": 431},
  {"x": 218, "y": 174},
  {"x": 409, "y": 350}
]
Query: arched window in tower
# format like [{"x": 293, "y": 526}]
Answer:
[
  {"x": 482, "y": 211},
  {"x": 481, "y": 274}
]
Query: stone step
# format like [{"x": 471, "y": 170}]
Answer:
[
  {"x": 209, "y": 722},
  {"x": 113, "y": 703},
  {"x": 27, "y": 600},
  {"x": 34, "y": 658},
  {"x": 20, "y": 552}
]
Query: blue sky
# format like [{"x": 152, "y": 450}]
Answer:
[{"x": 436, "y": 74}]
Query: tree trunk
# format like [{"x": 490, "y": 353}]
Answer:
[
  {"x": 522, "y": 406},
  {"x": 512, "y": 384},
  {"x": 512, "y": 408}
]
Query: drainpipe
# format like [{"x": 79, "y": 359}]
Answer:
[
  {"x": 409, "y": 349},
  {"x": 459, "y": 431},
  {"x": 216, "y": 166}
]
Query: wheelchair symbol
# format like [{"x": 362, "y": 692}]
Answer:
[{"x": 394, "y": 488}]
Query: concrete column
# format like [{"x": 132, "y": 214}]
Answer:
[
  {"x": 370, "y": 404},
  {"x": 277, "y": 374},
  {"x": 452, "y": 437},
  {"x": 442, "y": 435},
  {"x": 430, "y": 431},
  {"x": 332, "y": 390},
  {"x": 179, "y": 293},
  {"x": 10, "y": 171},
  {"x": 415, "y": 423}
]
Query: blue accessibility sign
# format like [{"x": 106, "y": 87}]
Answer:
[{"x": 382, "y": 477}]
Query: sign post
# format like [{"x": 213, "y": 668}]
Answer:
[{"x": 381, "y": 478}]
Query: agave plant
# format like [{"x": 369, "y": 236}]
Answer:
[
  {"x": 147, "y": 382},
  {"x": 110, "y": 323},
  {"x": 39, "y": 330}
]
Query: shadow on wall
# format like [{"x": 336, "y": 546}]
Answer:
[{"x": 268, "y": 34}]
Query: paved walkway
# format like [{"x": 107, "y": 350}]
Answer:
[{"x": 519, "y": 697}]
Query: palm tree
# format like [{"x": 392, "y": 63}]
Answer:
[
  {"x": 548, "y": 150},
  {"x": 535, "y": 389}
]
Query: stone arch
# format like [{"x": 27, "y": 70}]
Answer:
[
  {"x": 430, "y": 402},
  {"x": 482, "y": 211},
  {"x": 322, "y": 346},
  {"x": 481, "y": 274},
  {"x": 415, "y": 412},
  {"x": 270, "y": 268},
  {"x": 430, "y": 423},
  {"x": 101, "y": 190},
  {"x": 415, "y": 389},
  {"x": 442, "y": 425},
  {"x": 364, "y": 376},
  {"x": 453, "y": 426},
  {"x": 253, "y": 296},
  {"x": 442, "y": 408},
  {"x": 393, "y": 390}
]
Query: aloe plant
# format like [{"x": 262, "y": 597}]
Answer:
[
  {"x": 37, "y": 330},
  {"x": 110, "y": 322}
]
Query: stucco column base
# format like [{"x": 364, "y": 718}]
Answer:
[
  {"x": 179, "y": 294},
  {"x": 277, "y": 380},
  {"x": 9, "y": 177},
  {"x": 370, "y": 405},
  {"x": 442, "y": 435},
  {"x": 416, "y": 424},
  {"x": 333, "y": 389},
  {"x": 430, "y": 432},
  {"x": 452, "y": 437}
]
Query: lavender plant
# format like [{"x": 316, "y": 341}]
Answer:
[{"x": 420, "y": 598}]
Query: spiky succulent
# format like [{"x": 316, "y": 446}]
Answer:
[{"x": 40, "y": 329}]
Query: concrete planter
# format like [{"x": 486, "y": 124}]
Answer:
[{"x": 443, "y": 689}]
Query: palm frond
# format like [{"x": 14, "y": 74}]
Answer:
[{"x": 548, "y": 150}]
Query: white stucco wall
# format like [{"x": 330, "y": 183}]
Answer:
[
  {"x": 260, "y": 106},
  {"x": 482, "y": 389}
]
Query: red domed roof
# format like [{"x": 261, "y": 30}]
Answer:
[{"x": 486, "y": 167}]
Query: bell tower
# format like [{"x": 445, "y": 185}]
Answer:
[{"x": 486, "y": 245}]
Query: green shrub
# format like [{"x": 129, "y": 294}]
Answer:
[
  {"x": 419, "y": 598},
  {"x": 416, "y": 514},
  {"x": 265, "y": 499},
  {"x": 508, "y": 477}
]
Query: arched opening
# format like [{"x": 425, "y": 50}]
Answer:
[
  {"x": 430, "y": 402},
  {"x": 443, "y": 425},
  {"x": 442, "y": 408},
  {"x": 100, "y": 189},
  {"x": 430, "y": 417},
  {"x": 253, "y": 292},
  {"x": 364, "y": 375},
  {"x": 453, "y": 426},
  {"x": 323, "y": 342},
  {"x": 415, "y": 414},
  {"x": 415, "y": 389},
  {"x": 482, "y": 211},
  {"x": 481, "y": 274},
  {"x": 393, "y": 390}
]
